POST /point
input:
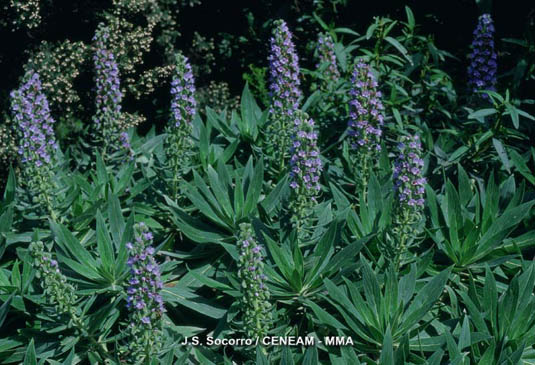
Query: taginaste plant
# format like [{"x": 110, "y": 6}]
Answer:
[
  {"x": 365, "y": 126},
  {"x": 284, "y": 91},
  {"x": 37, "y": 141},
  {"x": 183, "y": 108},
  {"x": 362, "y": 201}
]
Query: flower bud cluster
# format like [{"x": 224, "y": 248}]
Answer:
[
  {"x": 27, "y": 13},
  {"x": 8, "y": 150},
  {"x": 58, "y": 65},
  {"x": 217, "y": 96},
  {"x": 57, "y": 290},
  {"x": 203, "y": 54},
  {"x": 257, "y": 308}
]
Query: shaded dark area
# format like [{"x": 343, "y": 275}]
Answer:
[{"x": 450, "y": 22}]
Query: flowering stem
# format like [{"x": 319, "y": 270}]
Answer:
[
  {"x": 107, "y": 119},
  {"x": 143, "y": 297},
  {"x": 183, "y": 109},
  {"x": 284, "y": 91},
  {"x": 305, "y": 171},
  {"x": 60, "y": 292},
  {"x": 37, "y": 143},
  {"x": 361, "y": 187},
  {"x": 409, "y": 191},
  {"x": 365, "y": 124},
  {"x": 255, "y": 295},
  {"x": 483, "y": 65},
  {"x": 403, "y": 234}
]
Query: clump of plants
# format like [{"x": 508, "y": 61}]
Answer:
[{"x": 377, "y": 208}]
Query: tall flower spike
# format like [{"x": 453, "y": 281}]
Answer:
[
  {"x": 284, "y": 90},
  {"x": 483, "y": 59},
  {"x": 183, "y": 109},
  {"x": 305, "y": 168},
  {"x": 366, "y": 121},
  {"x": 408, "y": 180},
  {"x": 326, "y": 55},
  {"x": 409, "y": 190},
  {"x": 183, "y": 92},
  {"x": 143, "y": 296},
  {"x": 257, "y": 308},
  {"x": 37, "y": 143},
  {"x": 366, "y": 117},
  {"x": 107, "y": 117}
]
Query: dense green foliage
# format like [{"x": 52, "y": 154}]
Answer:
[{"x": 360, "y": 188}]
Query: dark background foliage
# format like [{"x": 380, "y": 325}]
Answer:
[{"x": 244, "y": 23}]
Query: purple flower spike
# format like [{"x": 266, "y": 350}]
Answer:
[
  {"x": 183, "y": 105},
  {"x": 37, "y": 142},
  {"x": 183, "y": 109},
  {"x": 366, "y": 117},
  {"x": 305, "y": 164},
  {"x": 108, "y": 92},
  {"x": 284, "y": 91},
  {"x": 145, "y": 284},
  {"x": 483, "y": 59},
  {"x": 283, "y": 71},
  {"x": 408, "y": 181},
  {"x": 255, "y": 299},
  {"x": 31, "y": 113},
  {"x": 326, "y": 55},
  {"x": 409, "y": 192}
]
